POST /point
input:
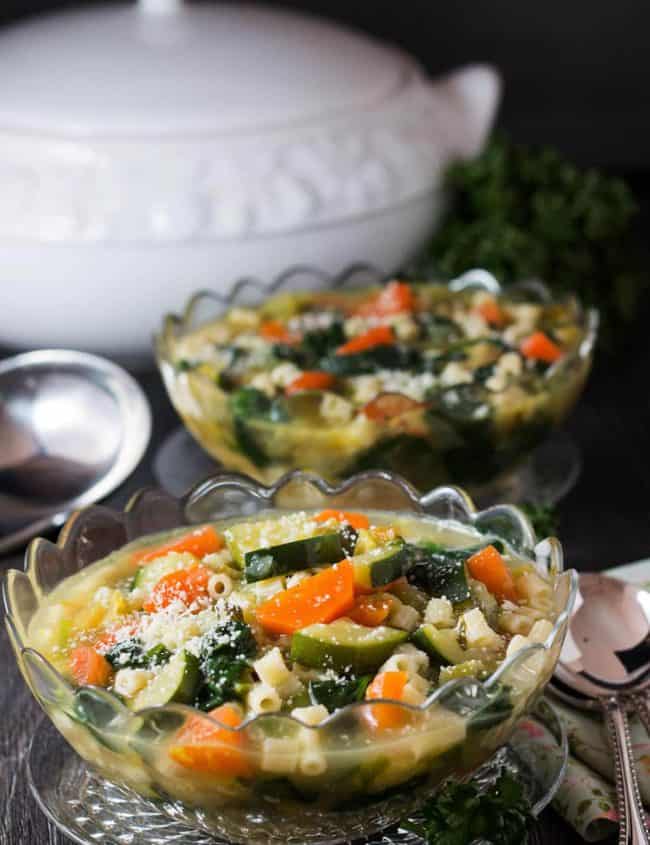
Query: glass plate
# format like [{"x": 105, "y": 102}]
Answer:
[
  {"x": 545, "y": 477},
  {"x": 92, "y": 811}
]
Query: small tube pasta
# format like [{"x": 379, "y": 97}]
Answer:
[
  {"x": 440, "y": 612},
  {"x": 262, "y": 698},
  {"x": 279, "y": 756},
  {"x": 312, "y": 761},
  {"x": 312, "y": 715},
  {"x": 274, "y": 672},
  {"x": 407, "y": 659},
  {"x": 219, "y": 586},
  {"x": 403, "y": 616}
]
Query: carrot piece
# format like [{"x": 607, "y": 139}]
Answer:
[
  {"x": 540, "y": 347},
  {"x": 488, "y": 566},
  {"x": 200, "y": 542},
  {"x": 310, "y": 380},
  {"x": 321, "y": 598},
  {"x": 204, "y": 747},
  {"x": 89, "y": 667},
  {"x": 370, "y": 610},
  {"x": 186, "y": 585},
  {"x": 387, "y": 685},
  {"x": 380, "y": 336},
  {"x": 356, "y": 520},
  {"x": 394, "y": 298},
  {"x": 275, "y": 331},
  {"x": 492, "y": 313},
  {"x": 388, "y": 405}
]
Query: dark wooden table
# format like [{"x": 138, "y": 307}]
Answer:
[{"x": 605, "y": 520}]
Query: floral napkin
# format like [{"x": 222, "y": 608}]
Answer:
[{"x": 587, "y": 798}]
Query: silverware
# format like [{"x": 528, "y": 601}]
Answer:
[
  {"x": 605, "y": 663},
  {"x": 73, "y": 426}
]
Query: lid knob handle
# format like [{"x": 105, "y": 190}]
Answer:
[{"x": 160, "y": 7}]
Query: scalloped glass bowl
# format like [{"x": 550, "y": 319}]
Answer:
[
  {"x": 437, "y": 456},
  {"x": 355, "y": 783}
]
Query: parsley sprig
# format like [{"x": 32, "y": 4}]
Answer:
[
  {"x": 461, "y": 813},
  {"x": 522, "y": 212}
]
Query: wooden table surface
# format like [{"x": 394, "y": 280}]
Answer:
[{"x": 604, "y": 521}]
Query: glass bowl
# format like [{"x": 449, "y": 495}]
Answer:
[
  {"x": 350, "y": 783},
  {"x": 429, "y": 445}
]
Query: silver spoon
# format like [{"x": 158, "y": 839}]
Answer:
[
  {"x": 73, "y": 426},
  {"x": 606, "y": 660}
]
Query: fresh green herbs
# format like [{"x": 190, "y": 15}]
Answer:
[
  {"x": 545, "y": 519},
  {"x": 461, "y": 813},
  {"x": 223, "y": 659},
  {"x": 524, "y": 213}
]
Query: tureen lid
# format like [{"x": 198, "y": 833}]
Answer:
[{"x": 167, "y": 68}]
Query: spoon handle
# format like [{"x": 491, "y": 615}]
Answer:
[
  {"x": 632, "y": 829},
  {"x": 642, "y": 708}
]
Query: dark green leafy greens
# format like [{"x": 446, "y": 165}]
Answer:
[
  {"x": 224, "y": 657},
  {"x": 523, "y": 212},
  {"x": 339, "y": 691},
  {"x": 544, "y": 518},
  {"x": 130, "y": 654},
  {"x": 461, "y": 813},
  {"x": 248, "y": 404}
]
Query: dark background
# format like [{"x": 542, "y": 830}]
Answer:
[
  {"x": 577, "y": 75},
  {"x": 577, "y": 72}
]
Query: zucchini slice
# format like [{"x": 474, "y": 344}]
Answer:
[
  {"x": 299, "y": 554},
  {"x": 440, "y": 643},
  {"x": 381, "y": 566},
  {"x": 177, "y": 681},
  {"x": 345, "y": 645}
]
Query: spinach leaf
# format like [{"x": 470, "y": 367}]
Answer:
[
  {"x": 393, "y": 357},
  {"x": 247, "y": 404},
  {"x": 128, "y": 654},
  {"x": 339, "y": 692},
  {"x": 223, "y": 659}
]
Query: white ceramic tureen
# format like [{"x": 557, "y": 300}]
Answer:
[{"x": 152, "y": 149}]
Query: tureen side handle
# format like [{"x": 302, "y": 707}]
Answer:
[{"x": 468, "y": 99}]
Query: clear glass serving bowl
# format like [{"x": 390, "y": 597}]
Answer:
[
  {"x": 443, "y": 451},
  {"x": 355, "y": 783}
]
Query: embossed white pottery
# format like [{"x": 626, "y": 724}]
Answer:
[{"x": 153, "y": 149}]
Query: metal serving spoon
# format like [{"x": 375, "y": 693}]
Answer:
[
  {"x": 73, "y": 426},
  {"x": 605, "y": 662}
]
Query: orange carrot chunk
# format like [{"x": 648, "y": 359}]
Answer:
[
  {"x": 276, "y": 332},
  {"x": 370, "y": 610},
  {"x": 310, "y": 380},
  {"x": 488, "y": 566},
  {"x": 540, "y": 347},
  {"x": 89, "y": 667},
  {"x": 387, "y": 685},
  {"x": 200, "y": 542},
  {"x": 321, "y": 598},
  {"x": 204, "y": 747},
  {"x": 492, "y": 313},
  {"x": 380, "y": 336},
  {"x": 189, "y": 586},
  {"x": 388, "y": 405},
  {"x": 394, "y": 298},
  {"x": 356, "y": 520}
]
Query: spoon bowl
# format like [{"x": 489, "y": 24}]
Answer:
[
  {"x": 73, "y": 426},
  {"x": 610, "y": 630}
]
